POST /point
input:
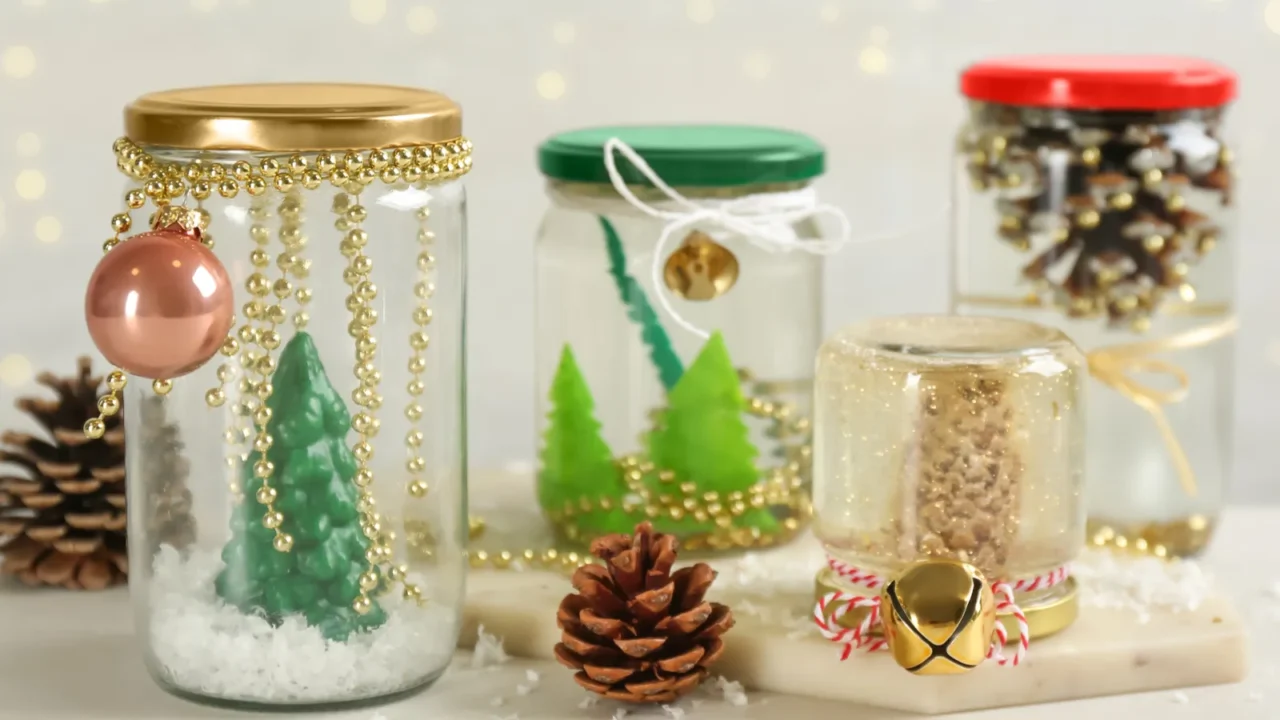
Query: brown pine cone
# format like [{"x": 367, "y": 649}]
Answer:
[
  {"x": 62, "y": 516},
  {"x": 62, "y": 495},
  {"x": 636, "y": 631}
]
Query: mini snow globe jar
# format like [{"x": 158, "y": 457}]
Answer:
[
  {"x": 288, "y": 334},
  {"x": 948, "y": 447},
  {"x": 678, "y": 290},
  {"x": 1095, "y": 194}
]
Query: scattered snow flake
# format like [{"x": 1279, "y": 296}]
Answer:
[
  {"x": 489, "y": 650},
  {"x": 588, "y": 702},
  {"x": 732, "y": 692},
  {"x": 1181, "y": 698}
]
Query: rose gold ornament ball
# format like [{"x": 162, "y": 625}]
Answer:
[{"x": 159, "y": 304}]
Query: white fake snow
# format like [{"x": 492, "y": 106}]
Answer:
[
  {"x": 1141, "y": 584},
  {"x": 205, "y": 646},
  {"x": 489, "y": 651}
]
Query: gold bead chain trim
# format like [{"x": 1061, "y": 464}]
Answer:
[
  {"x": 783, "y": 489},
  {"x": 350, "y": 215},
  {"x": 163, "y": 181},
  {"x": 262, "y": 365},
  {"x": 418, "y": 341}
]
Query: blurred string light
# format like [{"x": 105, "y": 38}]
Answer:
[
  {"x": 421, "y": 20},
  {"x": 700, "y": 11},
  {"x": 18, "y": 61},
  {"x": 48, "y": 229},
  {"x": 873, "y": 60},
  {"x": 550, "y": 85},
  {"x": 829, "y": 12},
  {"x": 15, "y": 370},
  {"x": 1271, "y": 16},
  {"x": 369, "y": 12},
  {"x": 30, "y": 184}
]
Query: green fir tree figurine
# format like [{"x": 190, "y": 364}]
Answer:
[
  {"x": 576, "y": 461},
  {"x": 703, "y": 439},
  {"x": 319, "y": 577}
]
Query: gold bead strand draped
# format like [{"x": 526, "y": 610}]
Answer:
[
  {"x": 367, "y": 396},
  {"x": 110, "y": 403},
  {"x": 418, "y": 341},
  {"x": 270, "y": 314}
]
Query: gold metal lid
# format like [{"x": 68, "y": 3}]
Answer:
[{"x": 292, "y": 117}]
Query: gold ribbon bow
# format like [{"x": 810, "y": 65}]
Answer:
[{"x": 1116, "y": 366}]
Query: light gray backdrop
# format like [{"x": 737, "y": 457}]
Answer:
[{"x": 873, "y": 79}]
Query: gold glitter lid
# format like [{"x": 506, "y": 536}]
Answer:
[{"x": 292, "y": 117}]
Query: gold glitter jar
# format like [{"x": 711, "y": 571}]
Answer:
[
  {"x": 1096, "y": 194},
  {"x": 297, "y": 503},
  {"x": 951, "y": 438}
]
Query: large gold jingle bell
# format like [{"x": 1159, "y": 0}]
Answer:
[{"x": 939, "y": 617}]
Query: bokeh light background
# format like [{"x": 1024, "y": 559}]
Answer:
[{"x": 873, "y": 79}]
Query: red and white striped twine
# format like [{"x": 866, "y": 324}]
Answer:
[{"x": 834, "y": 605}]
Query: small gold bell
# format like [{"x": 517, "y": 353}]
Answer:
[
  {"x": 701, "y": 269},
  {"x": 939, "y": 617}
]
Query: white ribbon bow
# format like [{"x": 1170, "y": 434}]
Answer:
[{"x": 765, "y": 220}]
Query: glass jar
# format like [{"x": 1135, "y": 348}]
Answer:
[
  {"x": 674, "y": 377},
  {"x": 955, "y": 438},
  {"x": 1095, "y": 194},
  {"x": 324, "y": 447}
]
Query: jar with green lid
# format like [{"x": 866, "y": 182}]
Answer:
[{"x": 679, "y": 283}]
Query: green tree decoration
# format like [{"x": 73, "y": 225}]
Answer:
[
  {"x": 319, "y": 577},
  {"x": 661, "y": 353},
  {"x": 576, "y": 461},
  {"x": 703, "y": 439}
]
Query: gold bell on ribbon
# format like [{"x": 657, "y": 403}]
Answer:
[{"x": 939, "y": 617}]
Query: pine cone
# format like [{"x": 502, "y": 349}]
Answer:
[
  {"x": 62, "y": 522},
  {"x": 163, "y": 471},
  {"x": 62, "y": 516},
  {"x": 636, "y": 631}
]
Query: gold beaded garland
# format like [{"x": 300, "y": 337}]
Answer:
[
  {"x": 783, "y": 489},
  {"x": 416, "y": 464}
]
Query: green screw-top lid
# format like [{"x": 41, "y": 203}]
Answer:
[{"x": 687, "y": 155}]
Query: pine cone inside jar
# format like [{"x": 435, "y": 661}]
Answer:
[{"x": 636, "y": 631}]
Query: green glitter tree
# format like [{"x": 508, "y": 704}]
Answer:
[
  {"x": 319, "y": 577},
  {"x": 576, "y": 461},
  {"x": 703, "y": 439}
]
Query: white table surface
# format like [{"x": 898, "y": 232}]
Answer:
[{"x": 73, "y": 656}]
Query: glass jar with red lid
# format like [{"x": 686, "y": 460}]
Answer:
[{"x": 1096, "y": 193}]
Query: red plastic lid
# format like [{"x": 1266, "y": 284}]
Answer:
[{"x": 1101, "y": 82}]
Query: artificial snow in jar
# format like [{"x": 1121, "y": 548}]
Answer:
[
  {"x": 957, "y": 439},
  {"x": 1095, "y": 194},
  {"x": 322, "y": 443},
  {"x": 678, "y": 292}
]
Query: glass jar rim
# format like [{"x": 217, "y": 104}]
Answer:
[{"x": 953, "y": 339}]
